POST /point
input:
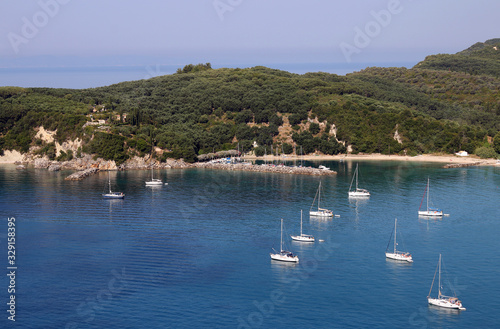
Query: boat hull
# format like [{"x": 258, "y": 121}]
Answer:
[
  {"x": 302, "y": 238},
  {"x": 321, "y": 213},
  {"x": 445, "y": 303},
  {"x": 285, "y": 258},
  {"x": 355, "y": 194},
  {"x": 400, "y": 257},
  {"x": 154, "y": 183},
  {"x": 430, "y": 213},
  {"x": 113, "y": 195}
]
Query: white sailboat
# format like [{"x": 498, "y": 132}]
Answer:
[
  {"x": 321, "y": 212},
  {"x": 154, "y": 181},
  {"x": 442, "y": 300},
  {"x": 302, "y": 237},
  {"x": 358, "y": 192},
  {"x": 111, "y": 194},
  {"x": 283, "y": 255},
  {"x": 398, "y": 255},
  {"x": 430, "y": 211}
]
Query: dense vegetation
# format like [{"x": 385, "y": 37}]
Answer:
[
  {"x": 480, "y": 58},
  {"x": 200, "y": 110}
]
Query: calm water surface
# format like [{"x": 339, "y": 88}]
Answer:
[{"x": 195, "y": 253}]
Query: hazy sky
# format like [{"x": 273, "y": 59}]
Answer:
[{"x": 104, "y": 32}]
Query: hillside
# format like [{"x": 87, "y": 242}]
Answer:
[
  {"x": 482, "y": 58},
  {"x": 200, "y": 110}
]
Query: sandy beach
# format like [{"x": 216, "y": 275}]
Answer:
[
  {"x": 14, "y": 156},
  {"x": 445, "y": 159}
]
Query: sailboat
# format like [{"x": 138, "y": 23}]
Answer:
[
  {"x": 398, "y": 255},
  {"x": 321, "y": 212},
  {"x": 430, "y": 211},
  {"x": 154, "y": 181},
  {"x": 302, "y": 237},
  {"x": 283, "y": 255},
  {"x": 442, "y": 300},
  {"x": 111, "y": 194},
  {"x": 358, "y": 192}
]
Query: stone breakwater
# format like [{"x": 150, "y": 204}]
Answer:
[
  {"x": 79, "y": 175},
  {"x": 87, "y": 166},
  {"x": 460, "y": 165},
  {"x": 266, "y": 168}
]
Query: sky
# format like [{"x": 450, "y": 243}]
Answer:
[{"x": 74, "y": 33}]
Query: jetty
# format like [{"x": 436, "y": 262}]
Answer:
[
  {"x": 461, "y": 165},
  {"x": 265, "y": 168},
  {"x": 79, "y": 175}
]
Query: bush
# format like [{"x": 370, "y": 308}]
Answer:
[
  {"x": 314, "y": 128},
  {"x": 496, "y": 142},
  {"x": 260, "y": 151},
  {"x": 108, "y": 147},
  {"x": 486, "y": 152},
  {"x": 287, "y": 148}
]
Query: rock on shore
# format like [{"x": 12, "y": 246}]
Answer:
[
  {"x": 79, "y": 175},
  {"x": 460, "y": 165}
]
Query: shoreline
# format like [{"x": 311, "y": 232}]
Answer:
[
  {"x": 445, "y": 159},
  {"x": 14, "y": 157}
]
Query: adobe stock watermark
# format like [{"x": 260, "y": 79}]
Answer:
[
  {"x": 31, "y": 27},
  {"x": 88, "y": 309},
  {"x": 372, "y": 29},
  {"x": 223, "y": 6},
  {"x": 277, "y": 297},
  {"x": 153, "y": 72}
]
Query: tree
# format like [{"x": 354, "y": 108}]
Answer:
[
  {"x": 496, "y": 142},
  {"x": 314, "y": 128},
  {"x": 287, "y": 148}
]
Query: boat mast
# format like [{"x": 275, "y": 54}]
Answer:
[
  {"x": 300, "y": 222},
  {"x": 439, "y": 280},
  {"x": 301, "y": 158},
  {"x": 395, "y": 223},
  {"x": 357, "y": 178},
  {"x": 319, "y": 194},
  {"x": 281, "y": 241},
  {"x": 428, "y": 192}
]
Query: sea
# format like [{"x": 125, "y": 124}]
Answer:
[
  {"x": 196, "y": 253},
  {"x": 80, "y": 77}
]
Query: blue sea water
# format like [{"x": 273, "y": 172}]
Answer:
[
  {"x": 98, "y": 76},
  {"x": 195, "y": 253}
]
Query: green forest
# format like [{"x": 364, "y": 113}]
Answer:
[{"x": 444, "y": 104}]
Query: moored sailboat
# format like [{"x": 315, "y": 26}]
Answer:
[
  {"x": 358, "y": 192},
  {"x": 284, "y": 255},
  {"x": 154, "y": 181},
  {"x": 430, "y": 211},
  {"x": 111, "y": 194},
  {"x": 442, "y": 300},
  {"x": 321, "y": 212},
  {"x": 398, "y": 255},
  {"x": 302, "y": 237}
]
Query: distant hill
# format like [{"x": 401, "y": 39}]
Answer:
[
  {"x": 480, "y": 58},
  {"x": 200, "y": 110}
]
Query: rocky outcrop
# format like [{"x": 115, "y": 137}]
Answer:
[
  {"x": 41, "y": 163},
  {"x": 54, "y": 167},
  {"x": 82, "y": 174},
  {"x": 460, "y": 165}
]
